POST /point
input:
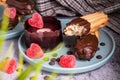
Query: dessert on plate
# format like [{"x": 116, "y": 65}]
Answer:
[
  {"x": 23, "y": 7},
  {"x": 87, "y": 28},
  {"x": 15, "y": 10},
  {"x": 86, "y": 24},
  {"x": 45, "y": 31},
  {"x": 86, "y": 47},
  {"x": 13, "y": 20}
]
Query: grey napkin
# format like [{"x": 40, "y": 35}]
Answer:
[{"x": 82, "y": 7}]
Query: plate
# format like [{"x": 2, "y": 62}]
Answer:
[
  {"x": 82, "y": 66},
  {"x": 19, "y": 28}
]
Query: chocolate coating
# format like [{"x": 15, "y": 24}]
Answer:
[
  {"x": 23, "y": 7},
  {"x": 86, "y": 47},
  {"x": 47, "y": 40},
  {"x": 79, "y": 22}
]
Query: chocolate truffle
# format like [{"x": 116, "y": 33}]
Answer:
[
  {"x": 47, "y": 37},
  {"x": 86, "y": 47}
]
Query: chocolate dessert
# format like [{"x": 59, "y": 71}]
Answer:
[
  {"x": 77, "y": 27},
  {"x": 84, "y": 27},
  {"x": 86, "y": 47},
  {"x": 47, "y": 37},
  {"x": 89, "y": 23},
  {"x": 23, "y": 7}
]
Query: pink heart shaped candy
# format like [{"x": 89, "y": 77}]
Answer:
[
  {"x": 10, "y": 12},
  {"x": 36, "y": 20}
]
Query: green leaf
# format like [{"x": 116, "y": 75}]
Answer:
[
  {"x": 20, "y": 65},
  {"x": 25, "y": 73},
  {"x": 56, "y": 48},
  {"x": 53, "y": 75},
  {"x": 29, "y": 69},
  {"x": 38, "y": 69},
  {"x": 4, "y": 28}
]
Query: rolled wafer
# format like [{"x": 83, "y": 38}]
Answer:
[
  {"x": 97, "y": 20},
  {"x": 86, "y": 24},
  {"x": 97, "y": 34}
]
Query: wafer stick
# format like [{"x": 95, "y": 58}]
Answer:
[
  {"x": 97, "y": 34},
  {"x": 97, "y": 20},
  {"x": 86, "y": 24}
]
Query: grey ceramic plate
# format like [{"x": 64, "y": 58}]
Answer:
[
  {"x": 82, "y": 66},
  {"x": 14, "y": 32}
]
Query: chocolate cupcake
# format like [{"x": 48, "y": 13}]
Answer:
[{"x": 48, "y": 36}]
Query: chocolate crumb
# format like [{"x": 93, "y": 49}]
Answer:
[
  {"x": 102, "y": 44},
  {"x": 53, "y": 59},
  {"x": 67, "y": 45},
  {"x": 24, "y": 62},
  {"x": 58, "y": 59},
  {"x": 46, "y": 78},
  {"x": 52, "y": 63},
  {"x": 70, "y": 52},
  {"x": 88, "y": 59},
  {"x": 98, "y": 49},
  {"x": 99, "y": 57}
]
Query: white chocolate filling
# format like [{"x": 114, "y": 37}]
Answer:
[
  {"x": 44, "y": 30},
  {"x": 74, "y": 29}
]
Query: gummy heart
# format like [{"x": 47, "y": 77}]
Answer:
[
  {"x": 36, "y": 21},
  {"x": 67, "y": 61},
  {"x": 10, "y": 12},
  {"x": 34, "y": 51},
  {"x": 9, "y": 66}
]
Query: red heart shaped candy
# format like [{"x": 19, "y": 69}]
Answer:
[
  {"x": 34, "y": 51},
  {"x": 67, "y": 61},
  {"x": 36, "y": 21},
  {"x": 9, "y": 65},
  {"x": 10, "y": 12}
]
